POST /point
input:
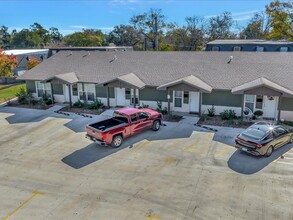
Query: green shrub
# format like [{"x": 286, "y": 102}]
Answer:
[
  {"x": 164, "y": 111},
  {"x": 228, "y": 114},
  {"x": 78, "y": 104},
  {"x": 258, "y": 113},
  {"x": 24, "y": 97},
  {"x": 45, "y": 100},
  {"x": 203, "y": 117},
  {"x": 289, "y": 123},
  {"x": 145, "y": 106},
  {"x": 97, "y": 104},
  {"x": 211, "y": 111}
]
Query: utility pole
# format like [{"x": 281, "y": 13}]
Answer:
[{"x": 157, "y": 34}]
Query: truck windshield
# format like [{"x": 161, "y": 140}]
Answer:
[{"x": 120, "y": 117}]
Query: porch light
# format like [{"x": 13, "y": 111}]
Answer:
[{"x": 168, "y": 97}]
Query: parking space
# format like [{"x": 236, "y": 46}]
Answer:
[{"x": 48, "y": 170}]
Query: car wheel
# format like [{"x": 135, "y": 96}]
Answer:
[
  {"x": 117, "y": 141},
  {"x": 269, "y": 151},
  {"x": 156, "y": 125}
]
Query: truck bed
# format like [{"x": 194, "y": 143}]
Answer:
[{"x": 108, "y": 123}]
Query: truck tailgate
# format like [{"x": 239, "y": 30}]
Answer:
[{"x": 94, "y": 133}]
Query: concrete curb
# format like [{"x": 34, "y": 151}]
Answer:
[
  {"x": 205, "y": 127},
  {"x": 6, "y": 103}
]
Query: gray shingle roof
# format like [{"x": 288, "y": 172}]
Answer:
[
  {"x": 158, "y": 68},
  {"x": 251, "y": 41},
  {"x": 189, "y": 80},
  {"x": 260, "y": 82}
]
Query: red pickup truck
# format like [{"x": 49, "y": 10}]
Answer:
[{"x": 125, "y": 122}]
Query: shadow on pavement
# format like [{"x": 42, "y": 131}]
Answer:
[
  {"x": 91, "y": 153},
  {"x": 244, "y": 163},
  {"x": 26, "y": 115},
  {"x": 94, "y": 152}
]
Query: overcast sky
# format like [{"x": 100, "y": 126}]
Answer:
[{"x": 74, "y": 15}]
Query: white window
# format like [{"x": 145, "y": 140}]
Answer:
[
  {"x": 284, "y": 49},
  {"x": 43, "y": 89},
  {"x": 178, "y": 99},
  {"x": 215, "y": 48},
  {"x": 88, "y": 94},
  {"x": 259, "y": 49},
  {"x": 237, "y": 48},
  {"x": 132, "y": 98},
  {"x": 249, "y": 102}
]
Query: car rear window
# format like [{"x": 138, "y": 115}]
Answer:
[{"x": 254, "y": 133}]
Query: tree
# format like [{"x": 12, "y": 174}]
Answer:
[
  {"x": 281, "y": 20},
  {"x": 220, "y": 27},
  {"x": 86, "y": 38},
  {"x": 33, "y": 61},
  {"x": 188, "y": 37},
  {"x": 257, "y": 27},
  {"x": 42, "y": 33},
  {"x": 124, "y": 35},
  {"x": 7, "y": 64},
  {"x": 150, "y": 24},
  {"x": 5, "y": 37},
  {"x": 196, "y": 32},
  {"x": 55, "y": 36},
  {"x": 25, "y": 39}
]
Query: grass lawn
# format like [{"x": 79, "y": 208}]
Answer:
[{"x": 9, "y": 93}]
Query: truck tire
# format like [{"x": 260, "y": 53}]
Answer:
[
  {"x": 156, "y": 125},
  {"x": 117, "y": 141}
]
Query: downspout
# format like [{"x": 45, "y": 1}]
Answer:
[
  {"x": 200, "y": 102},
  {"x": 70, "y": 101},
  {"x": 108, "y": 98},
  {"x": 134, "y": 98},
  {"x": 168, "y": 97},
  {"x": 52, "y": 93},
  {"x": 279, "y": 106},
  {"x": 242, "y": 104}
]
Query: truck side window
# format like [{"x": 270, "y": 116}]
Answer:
[
  {"x": 142, "y": 115},
  {"x": 133, "y": 117}
]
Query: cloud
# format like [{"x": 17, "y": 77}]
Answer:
[
  {"x": 78, "y": 26},
  {"x": 243, "y": 16},
  {"x": 238, "y": 16},
  {"x": 122, "y": 2}
]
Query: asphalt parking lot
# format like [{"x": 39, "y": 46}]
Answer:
[{"x": 48, "y": 170}]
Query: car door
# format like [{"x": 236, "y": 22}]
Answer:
[
  {"x": 135, "y": 123},
  {"x": 280, "y": 137},
  {"x": 145, "y": 123}
]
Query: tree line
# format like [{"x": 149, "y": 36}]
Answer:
[{"x": 152, "y": 31}]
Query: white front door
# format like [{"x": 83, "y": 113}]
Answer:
[
  {"x": 120, "y": 96},
  {"x": 194, "y": 101},
  {"x": 66, "y": 92},
  {"x": 270, "y": 104}
]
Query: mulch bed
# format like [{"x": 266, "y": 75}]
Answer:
[
  {"x": 41, "y": 107},
  {"x": 172, "y": 118},
  {"x": 82, "y": 110},
  {"x": 217, "y": 121}
]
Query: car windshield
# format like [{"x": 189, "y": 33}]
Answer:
[{"x": 254, "y": 133}]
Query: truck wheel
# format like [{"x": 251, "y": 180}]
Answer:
[
  {"x": 156, "y": 125},
  {"x": 269, "y": 151},
  {"x": 117, "y": 141}
]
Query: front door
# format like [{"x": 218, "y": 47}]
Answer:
[
  {"x": 194, "y": 101},
  {"x": 66, "y": 92},
  {"x": 270, "y": 104},
  {"x": 120, "y": 96}
]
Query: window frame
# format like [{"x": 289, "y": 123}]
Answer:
[{"x": 177, "y": 96}]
